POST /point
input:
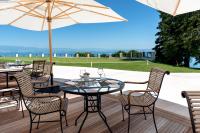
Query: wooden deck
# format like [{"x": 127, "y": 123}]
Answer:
[{"x": 11, "y": 121}]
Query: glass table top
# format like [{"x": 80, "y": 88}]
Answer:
[{"x": 92, "y": 86}]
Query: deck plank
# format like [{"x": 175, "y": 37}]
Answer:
[{"x": 12, "y": 121}]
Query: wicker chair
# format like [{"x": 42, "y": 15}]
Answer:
[
  {"x": 193, "y": 100},
  {"x": 38, "y": 68},
  {"x": 40, "y": 104},
  {"x": 43, "y": 80},
  {"x": 147, "y": 98}
]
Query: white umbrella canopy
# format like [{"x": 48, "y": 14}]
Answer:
[
  {"x": 173, "y": 7},
  {"x": 40, "y": 15}
]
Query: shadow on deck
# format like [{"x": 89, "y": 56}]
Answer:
[{"x": 167, "y": 121}]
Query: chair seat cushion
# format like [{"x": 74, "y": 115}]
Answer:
[
  {"x": 141, "y": 99},
  {"x": 47, "y": 105}
]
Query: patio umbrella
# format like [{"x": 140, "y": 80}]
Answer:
[
  {"x": 40, "y": 15},
  {"x": 173, "y": 7}
]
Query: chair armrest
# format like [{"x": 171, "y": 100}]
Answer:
[
  {"x": 183, "y": 94},
  {"x": 135, "y": 91},
  {"x": 186, "y": 94},
  {"x": 45, "y": 96},
  {"x": 130, "y": 82}
]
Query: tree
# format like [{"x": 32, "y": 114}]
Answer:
[
  {"x": 178, "y": 38},
  {"x": 84, "y": 54},
  {"x": 104, "y": 55},
  {"x": 117, "y": 54},
  {"x": 134, "y": 53},
  {"x": 131, "y": 53}
]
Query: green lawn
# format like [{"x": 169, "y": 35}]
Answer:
[{"x": 112, "y": 63}]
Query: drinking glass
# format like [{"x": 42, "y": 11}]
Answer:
[{"x": 100, "y": 72}]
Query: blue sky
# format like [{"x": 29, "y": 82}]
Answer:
[{"x": 138, "y": 33}]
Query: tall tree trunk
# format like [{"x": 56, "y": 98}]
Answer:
[{"x": 186, "y": 61}]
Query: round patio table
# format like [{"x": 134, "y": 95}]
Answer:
[
  {"x": 92, "y": 89},
  {"x": 8, "y": 71}
]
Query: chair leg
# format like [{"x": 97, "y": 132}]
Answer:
[
  {"x": 61, "y": 122},
  {"x": 154, "y": 120},
  {"x": 13, "y": 97},
  {"x": 129, "y": 119},
  {"x": 38, "y": 122},
  {"x": 144, "y": 114},
  {"x": 22, "y": 108},
  {"x": 30, "y": 122},
  {"x": 18, "y": 104},
  {"x": 122, "y": 113},
  {"x": 65, "y": 113},
  {"x": 21, "y": 102}
]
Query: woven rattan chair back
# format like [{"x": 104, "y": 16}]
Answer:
[
  {"x": 25, "y": 85},
  {"x": 155, "y": 80},
  {"x": 154, "y": 85},
  {"x": 38, "y": 67},
  {"x": 47, "y": 68},
  {"x": 193, "y": 100}
]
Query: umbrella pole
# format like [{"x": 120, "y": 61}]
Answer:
[
  {"x": 50, "y": 46},
  {"x": 49, "y": 20},
  {"x": 50, "y": 40}
]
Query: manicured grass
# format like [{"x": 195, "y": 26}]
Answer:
[{"x": 112, "y": 63}]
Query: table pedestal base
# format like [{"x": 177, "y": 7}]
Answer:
[{"x": 92, "y": 104}]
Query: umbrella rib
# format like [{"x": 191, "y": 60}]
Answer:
[
  {"x": 105, "y": 15},
  {"x": 28, "y": 0},
  {"x": 26, "y": 13},
  {"x": 84, "y": 4},
  {"x": 94, "y": 12},
  {"x": 65, "y": 14},
  {"x": 44, "y": 19},
  {"x": 37, "y": 13},
  {"x": 52, "y": 6},
  {"x": 176, "y": 8},
  {"x": 17, "y": 6},
  {"x": 30, "y": 14}
]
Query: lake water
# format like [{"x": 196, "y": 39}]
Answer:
[
  {"x": 192, "y": 63},
  {"x": 46, "y": 53}
]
